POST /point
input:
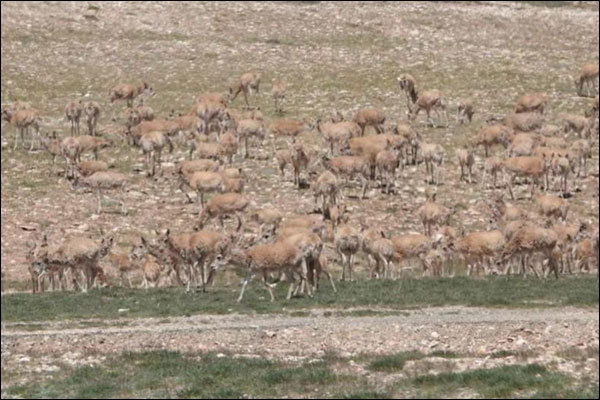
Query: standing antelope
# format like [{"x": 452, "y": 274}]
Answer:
[
  {"x": 278, "y": 95},
  {"x": 22, "y": 120},
  {"x": 91, "y": 109},
  {"x": 408, "y": 85},
  {"x": 430, "y": 100},
  {"x": 73, "y": 112}
]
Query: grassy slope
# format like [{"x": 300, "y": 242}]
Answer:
[{"x": 409, "y": 293}]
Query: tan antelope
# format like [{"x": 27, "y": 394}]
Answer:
[
  {"x": 91, "y": 109},
  {"x": 22, "y": 120},
  {"x": 465, "y": 111},
  {"x": 278, "y": 95},
  {"x": 73, "y": 112},
  {"x": 374, "y": 117},
  {"x": 248, "y": 83},
  {"x": 105, "y": 180},
  {"x": 152, "y": 144},
  {"x": 531, "y": 102},
  {"x": 587, "y": 78},
  {"x": 408, "y": 85},
  {"x": 128, "y": 92},
  {"x": 428, "y": 101}
]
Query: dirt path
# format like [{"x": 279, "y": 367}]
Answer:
[{"x": 459, "y": 329}]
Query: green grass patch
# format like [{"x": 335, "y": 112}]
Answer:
[
  {"x": 170, "y": 374},
  {"x": 394, "y": 362},
  {"x": 505, "y": 381},
  {"x": 503, "y": 291}
]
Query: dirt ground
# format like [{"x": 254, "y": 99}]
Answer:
[
  {"x": 542, "y": 336},
  {"x": 331, "y": 56}
]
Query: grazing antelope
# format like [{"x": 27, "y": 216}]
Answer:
[
  {"x": 129, "y": 93},
  {"x": 73, "y": 112},
  {"x": 531, "y": 102},
  {"x": 587, "y": 78},
  {"x": 247, "y": 84}
]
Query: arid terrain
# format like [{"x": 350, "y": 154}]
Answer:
[{"x": 331, "y": 56}]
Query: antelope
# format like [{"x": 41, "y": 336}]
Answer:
[
  {"x": 298, "y": 156},
  {"x": 91, "y": 109},
  {"x": 491, "y": 135},
  {"x": 22, "y": 120},
  {"x": 278, "y": 95},
  {"x": 279, "y": 257},
  {"x": 287, "y": 128},
  {"x": 466, "y": 160},
  {"x": 525, "y": 121},
  {"x": 531, "y": 102},
  {"x": 152, "y": 144},
  {"x": 370, "y": 146},
  {"x": 103, "y": 180},
  {"x": 533, "y": 168},
  {"x": 411, "y": 246},
  {"x": 169, "y": 128},
  {"x": 229, "y": 145},
  {"x": 379, "y": 250},
  {"x": 209, "y": 111},
  {"x": 201, "y": 182},
  {"x": 432, "y": 214},
  {"x": 374, "y": 117},
  {"x": 433, "y": 155},
  {"x": 411, "y": 138},
  {"x": 530, "y": 240},
  {"x": 247, "y": 84},
  {"x": 349, "y": 167},
  {"x": 430, "y": 100},
  {"x": 125, "y": 263},
  {"x": 326, "y": 187},
  {"x": 408, "y": 85},
  {"x": 491, "y": 166},
  {"x": 222, "y": 205},
  {"x": 79, "y": 254},
  {"x": 73, "y": 112},
  {"x": 129, "y": 93},
  {"x": 587, "y": 78},
  {"x": 51, "y": 145},
  {"x": 386, "y": 162},
  {"x": 337, "y": 133},
  {"x": 551, "y": 206},
  {"x": 476, "y": 247},
  {"x": 89, "y": 167},
  {"x": 92, "y": 143},
  {"x": 247, "y": 128},
  {"x": 465, "y": 111}
]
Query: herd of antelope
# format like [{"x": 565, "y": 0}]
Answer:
[{"x": 541, "y": 239}]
